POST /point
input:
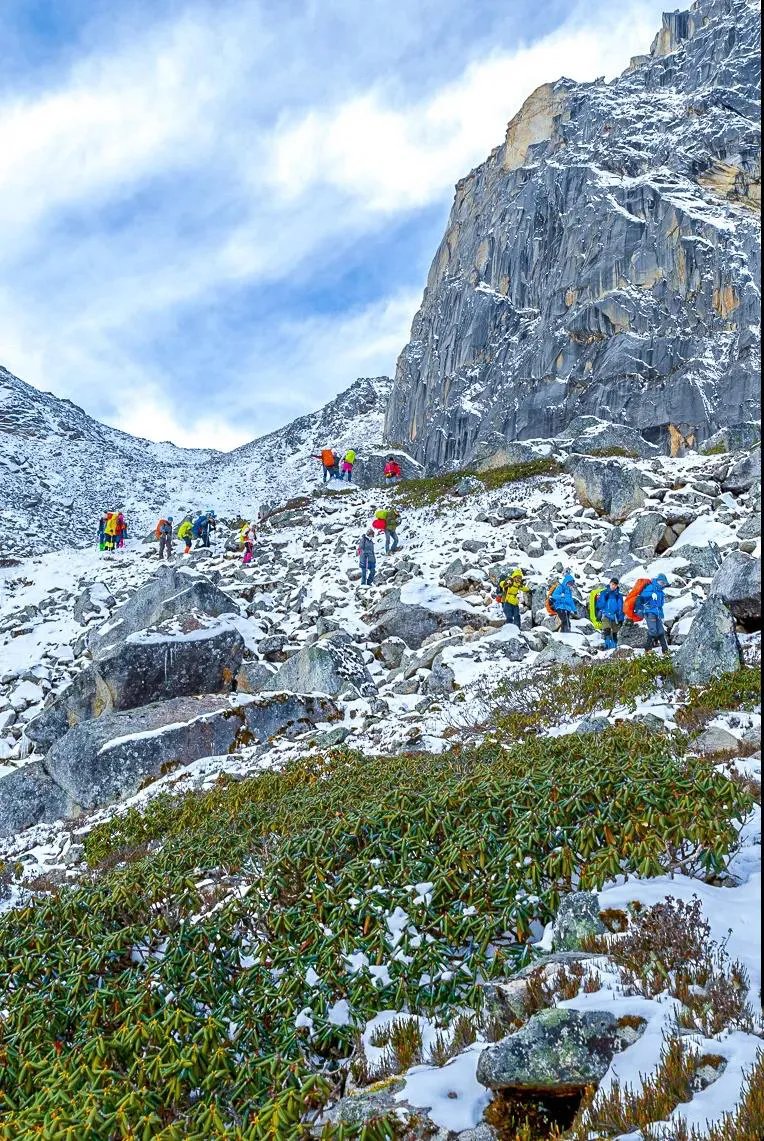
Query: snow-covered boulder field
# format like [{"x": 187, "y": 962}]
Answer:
[{"x": 300, "y": 857}]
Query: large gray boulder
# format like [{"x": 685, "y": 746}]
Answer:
[
  {"x": 29, "y": 796},
  {"x": 111, "y": 757},
  {"x": 589, "y": 435},
  {"x": 333, "y": 665},
  {"x": 733, "y": 438},
  {"x": 413, "y": 622},
  {"x": 738, "y": 583},
  {"x": 609, "y": 486},
  {"x": 578, "y": 917},
  {"x": 745, "y": 473},
  {"x": 557, "y": 1050},
  {"x": 711, "y": 647},
  {"x": 171, "y": 593},
  {"x": 147, "y": 667},
  {"x": 646, "y": 534},
  {"x": 697, "y": 562}
]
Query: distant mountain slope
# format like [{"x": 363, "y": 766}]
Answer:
[
  {"x": 604, "y": 260},
  {"x": 59, "y": 468}
]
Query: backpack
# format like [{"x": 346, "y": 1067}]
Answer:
[
  {"x": 159, "y": 528},
  {"x": 382, "y": 513},
  {"x": 550, "y": 609},
  {"x": 630, "y": 600},
  {"x": 593, "y": 596},
  {"x": 196, "y": 530},
  {"x": 379, "y": 524}
]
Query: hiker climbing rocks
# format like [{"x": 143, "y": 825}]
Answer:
[
  {"x": 608, "y": 605},
  {"x": 248, "y": 539},
  {"x": 509, "y": 595},
  {"x": 329, "y": 460},
  {"x": 562, "y": 601},
  {"x": 185, "y": 532},
  {"x": 392, "y": 522},
  {"x": 163, "y": 532},
  {"x": 110, "y": 531},
  {"x": 649, "y": 604},
  {"x": 392, "y": 470},
  {"x": 347, "y": 465},
  {"x": 121, "y": 529},
  {"x": 102, "y": 532},
  {"x": 367, "y": 558}
]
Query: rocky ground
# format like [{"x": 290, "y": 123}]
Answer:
[{"x": 122, "y": 680}]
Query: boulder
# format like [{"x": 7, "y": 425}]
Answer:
[
  {"x": 608, "y": 486},
  {"x": 578, "y": 916},
  {"x": 738, "y": 583},
  {"x": 95, "y": 601},
  {"x": 714, "y": 739},
  {"x": 28, "y": 796},
  {"x": 391, "y": 652},
  {"x": 333, "y": 665},
  {"x": 645, "y": 534},
  {"x": 469, "y": 485},
  {"x": 111, "y": 757},
  {"x": 588, "y": 435},
  {"x": 744, "y": 474},
  {"x": 498, "y": 453},
  {"x": 398, "y": 615},
  {"x": 634, "y": 635},
  {"x": 591, "y": 724},
  {"x": 750, "y": 528},
  {"x": 145, "y": 668},
  {"x": 711, "y": 647},
  {"x": 699, "y": 562},
  {"x": 733, "y": 438},
  {"x": 369, "y": 469},
  {"x": 440, "y": 681},
  {"x": 557, "y": 1050},
  {"x": 253, "y": 677},
  {"x": 171, "y": 593}
]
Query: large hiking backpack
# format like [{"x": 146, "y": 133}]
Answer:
[
  {"x": 631, "y": 598},
  {"x": 593, "y": 596},
  {"x": 550, "y": 609},
  {"x": 159, "y": 528},
  {"x": 379, "y": 524}
]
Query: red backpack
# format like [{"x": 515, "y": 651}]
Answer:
[{"x": 631, "y": 598}]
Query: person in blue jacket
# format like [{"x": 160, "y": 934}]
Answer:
[
  {"x": 650, "y": 606},
  {"x": 609, "y": 610},
  {"x": 563, "y": 601}
]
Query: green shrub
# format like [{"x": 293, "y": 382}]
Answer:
[
  {"x": 165, "y": 995},
  {"x": 424, "y": 492},
  {"x": 740, "y": 689},
  {"x": 614, "y": 450}
]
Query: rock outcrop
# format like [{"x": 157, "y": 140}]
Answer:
[
  {"x": 603, "y": 260},
  {"x": 711, "y": 647}
]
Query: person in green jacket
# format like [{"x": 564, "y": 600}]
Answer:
[
  {"x": 185, "y": 532},
  {"x": 392, "y": 521},
  {"x": 347, "y": 465}
]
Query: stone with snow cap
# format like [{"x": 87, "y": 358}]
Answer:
[
  {"x": 334, "y": 665},
  {"x": 611, "y": 487},
  {"x": 738, "y": 583},
  {"x": 589, "y": 435},
  {"x": 418, "y": 610},
  {"x": 171, "y": 593},
  {"x": 711, "y": 647}
]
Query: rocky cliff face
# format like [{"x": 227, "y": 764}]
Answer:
[{"x": 603, "y": 260}]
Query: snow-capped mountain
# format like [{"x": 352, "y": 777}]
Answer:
[{"x": 60, "y": 468}]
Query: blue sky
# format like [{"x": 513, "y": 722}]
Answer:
[{"x": 215, "y": 215}]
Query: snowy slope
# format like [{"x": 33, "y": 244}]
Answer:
[{"x": 59, "y": 468}]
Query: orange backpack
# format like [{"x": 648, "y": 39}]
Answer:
[
  {"x": 158, "y": 530},
  {"x": 548, "y": 602},
  {"x": 631, "y": 598}
]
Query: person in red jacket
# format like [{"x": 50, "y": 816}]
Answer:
[{"x": 392, "y": 470}]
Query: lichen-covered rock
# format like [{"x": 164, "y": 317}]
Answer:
[
  {"x": 711, "y": 647},
  {"x": 589, "y": 435},
  {"x": 697, "y": 562},
  {"x": 94, "y": 601},
  {"x": 413, "y": 622},
  {"x": 744, "y": 474},
  {"x": 557, "y": 1050},
  {"x": 732, "y": 438},
  {"x": 611, "y": 487},
  {"x": 332, "y": 665},
  {"x": 518, "y": 333},
  {"x": 578, "y": 917},
  {"x": 29, "y": 796},
  {"x": 171, "y": 593},
  {"x": 738, "y": 583}
]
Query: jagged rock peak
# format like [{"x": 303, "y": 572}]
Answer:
[{"x": 604, "y": 259}]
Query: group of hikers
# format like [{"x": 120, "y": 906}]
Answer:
[
  {"x": 609, "y": 608},
  {"x": 334, "y": 467},
  {"x": 112, "y": 531},
  {"x": 193, "y": 526},
  {"x": 386, "y": 522}
]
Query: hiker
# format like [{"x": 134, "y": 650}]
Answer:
[
  {"x": 102, "y": 531},
  {"x": 608, "y": 607},
  {"x": 392, "y": 522},
  {"x": 392, "y": 470},
  {"x": 121, "y": 530},
  {"x": 328, "y": 459},
  {"x": 563, "y": 602},
  {"x": 110, "y": 530},
  {"x": 164, "y": 534},
  {"x": 347, "y": 465},
  {"x": 367, "y": 558},
  {"x": 509, "y": 595},
  {"x": 649, "y": 604},
  {"x": 200, "y": 526},
  {"x": 185, "y": 532},
  {"x": 336, "y": 465},
  {"x": 250, "y": 535}
]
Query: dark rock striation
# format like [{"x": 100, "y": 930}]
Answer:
[{"x": 603, "y": 260}]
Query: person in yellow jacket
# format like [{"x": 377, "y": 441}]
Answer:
[
  {"x": 185, "y": 532},
  {"x": 110, "y": 530},
  {"x": 510, "y": 590}
]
